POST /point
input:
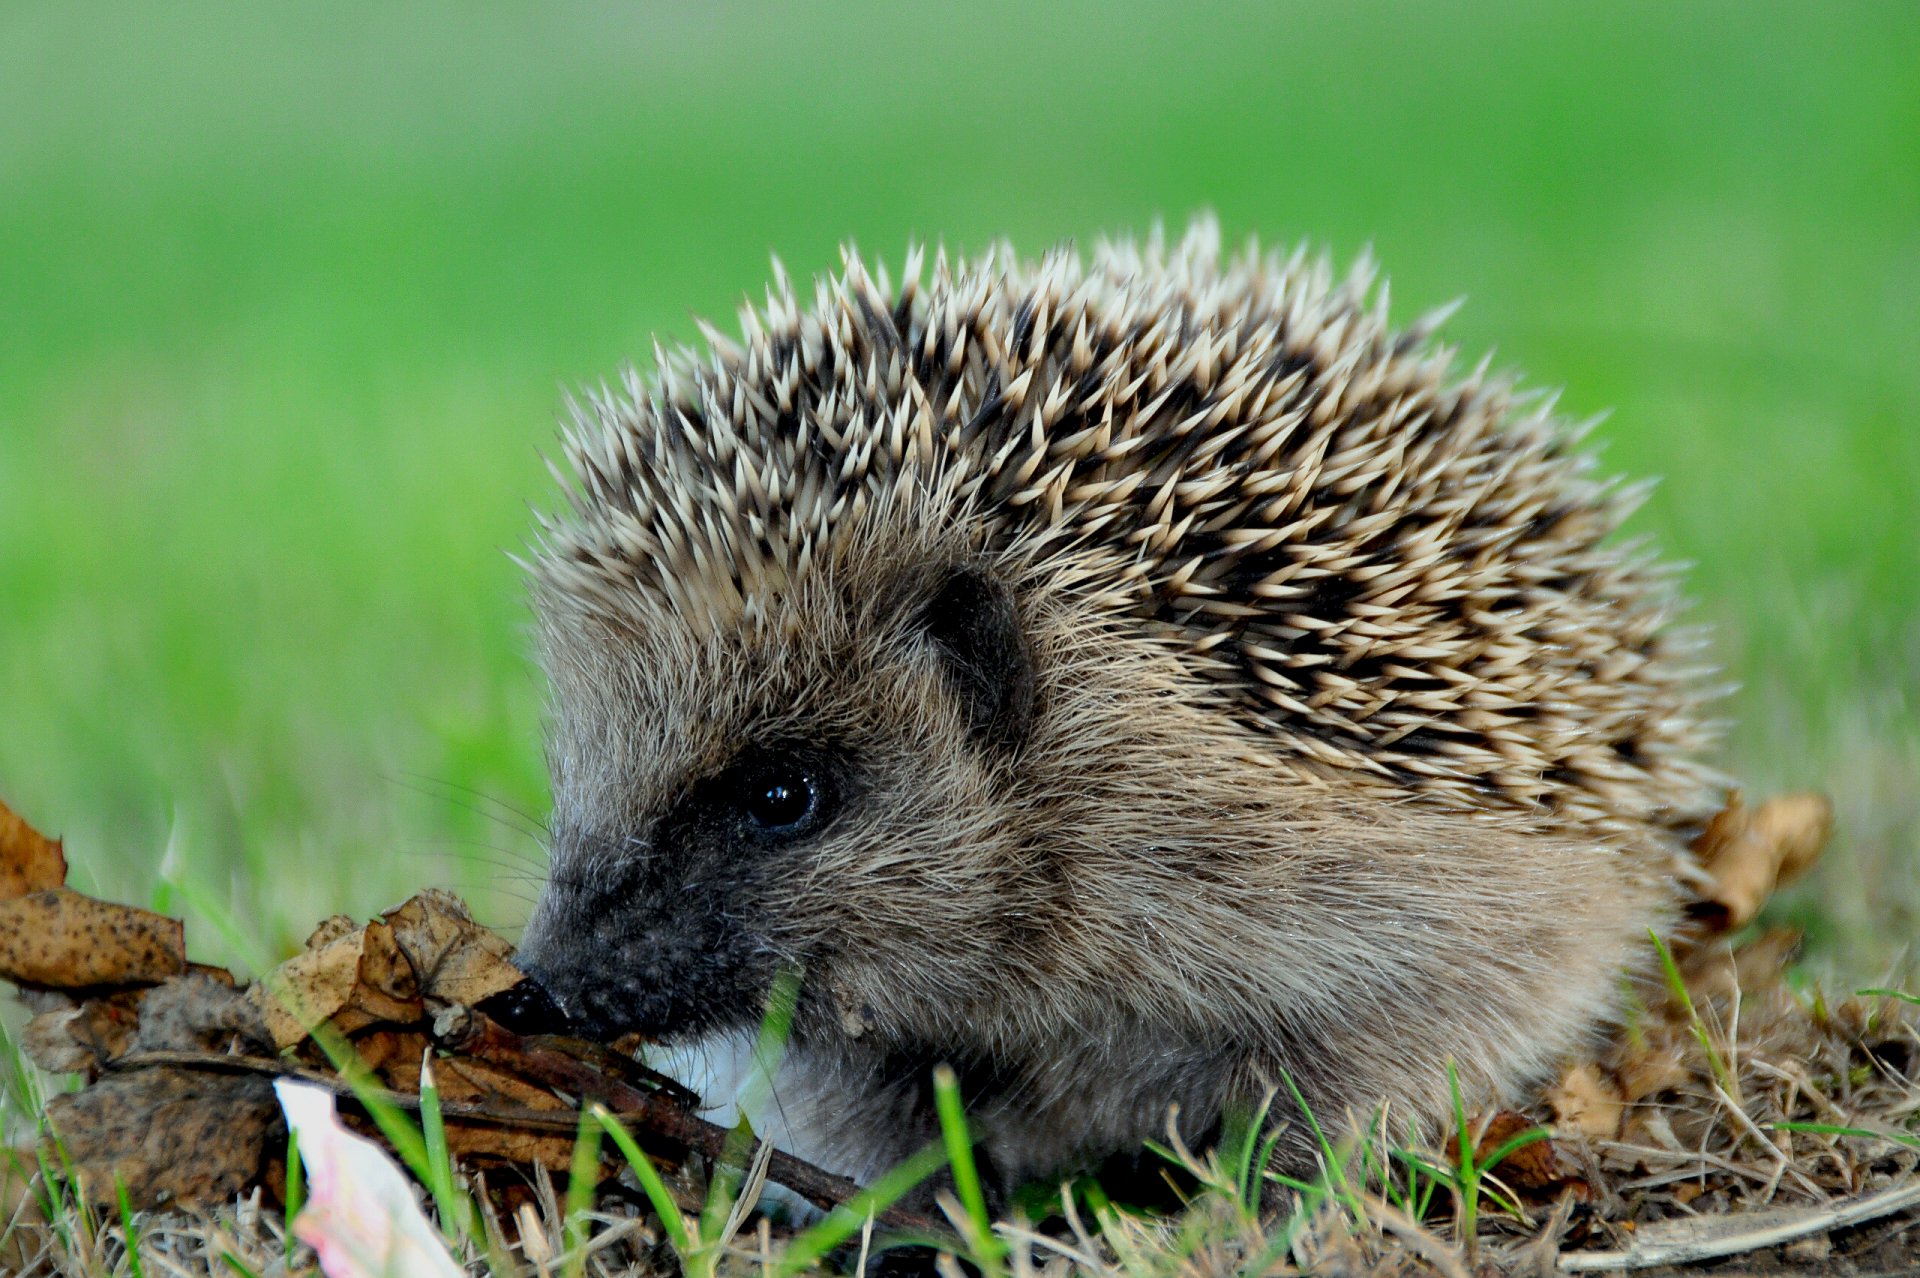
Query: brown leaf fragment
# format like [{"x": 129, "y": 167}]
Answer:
[
  {"x": 1749, "y": 853},
  {"x": 329, "y": 930},
  {"x": 476, "y": 1139},
  {"x": 393, "y": 1055},
  {"x": 385, "y": 968},
  {"x": 384, "y": 989},
  {"x": 455, "y": 959},
  {"x": 29, "y": 860},
  {"x": 81, "y": 1039},
  {"x": 479, "y": 1081},
  {"x": 1586, "y": 1102},
  {"x": 1531, "y": 1168},
  {"x": 173, "y": 1137},
  {"x": 1652, "y": 1069},
  {"x": 308, "y": 988},
  {"x": 197, "y": 1013},
  {"x": 352, "y": 980},
  {"x": 52, "y": 1040},
  {"x": 57, "y": 937}
]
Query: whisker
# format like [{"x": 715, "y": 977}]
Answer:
[{"x": 524, "y": 823}]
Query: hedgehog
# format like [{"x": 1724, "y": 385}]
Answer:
[{"x": 1148, "y": 685}]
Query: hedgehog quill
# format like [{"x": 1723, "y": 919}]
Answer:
[{"x": 1133, "y": 681}]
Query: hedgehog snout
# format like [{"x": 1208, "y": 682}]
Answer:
[{"x": 629, "y": 949}]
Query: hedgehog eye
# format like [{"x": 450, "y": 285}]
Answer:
[{"x": 780, "y": 799}]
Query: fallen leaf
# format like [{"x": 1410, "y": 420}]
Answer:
[
  {"x": 29, "y": 860},
  {"x": 484, "y": 1082},
  {"x": 456, "y": 960},
  {"x": 470, "y": 1139},
  {"x": 172, "y": 1137},
  {"x": 351, "y": 980},
  {"x": 199, "y": 1012},
  {"x": 57, "y": 937},
  {"x": 1585, "y": 1102},
  {"x": 83, "y": 1037},
  {"x": 1651, "y": 1069},
  {"x": 1749, "y": 853},
  {"x": 328, "y": 930},
  {"x": 384, "y": 989},
  {"x": 1530, "y": 1168},
  {"x": 308, "y": 988},
  {"x": 385, "y": 967},
  {"x": 394, "y": 1057}
]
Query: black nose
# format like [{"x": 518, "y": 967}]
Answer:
[{"x": 526, "y": 1008}]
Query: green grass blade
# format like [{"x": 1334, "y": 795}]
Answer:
[
  {"x": 1678, "y": 984},
  {"x": 447, "y": 1198},
  {"x": 1335, "y": 1166},
  {"x": 129, "y": 1229},
  {"x": 296, "y": 1192},
  {"x": 850, "y": 1217},
  {"x": 1908, "y": 1139},
  {"x": 671, "y": 1218},
  {"x": 583, "y": 1176},
  {"x": 990, "y": 1251},
  {"x": 1902, "y": 995}
]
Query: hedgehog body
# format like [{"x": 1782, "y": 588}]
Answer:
[{"x": 1132, "y": 683}]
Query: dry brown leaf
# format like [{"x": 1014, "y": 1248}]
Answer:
[
  {"x": 1749, "y": 853},
  {"x": 1585, "y": 1102},
  {"x": 1652, "y": 1068},
  {"x": 308, "y": 988},
  {"x": 455, "y": 959},
  {"x": 394, "y": 1057},
  {"x": 384, "y": 989},
  {"x": 483, "y": 1082},
  {"x": 59, "y": 938},
  {"x": 29, "y": 860},
  {"x": 212, "y": 973},
  {"x": 385, "y": 968},
  {"x": 1530, "y": 1168},
  {"x": 198, "y": 1012},
  {"x": 74, "y": 1040},
  {"x": 467, "y": 1139},
  {"x": 352, "y": 979},
  {"x": 329, "y": 930},
  {"x": 173, "y": 1137}
]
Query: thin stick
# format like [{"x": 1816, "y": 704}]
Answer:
[{"x": 1680, "y": 1242}]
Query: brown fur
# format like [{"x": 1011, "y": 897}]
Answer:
[{"x": 1206, "y": 860}]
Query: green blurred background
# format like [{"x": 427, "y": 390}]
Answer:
[{"x": 289, "y": 298}]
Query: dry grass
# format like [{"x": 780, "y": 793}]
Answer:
[{"x": 1769, "y": 1124}]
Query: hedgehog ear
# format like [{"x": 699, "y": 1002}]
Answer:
[{"x": 972, "y": 620}]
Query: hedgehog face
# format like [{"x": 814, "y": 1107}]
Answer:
[{"x": 730, "y": 799}]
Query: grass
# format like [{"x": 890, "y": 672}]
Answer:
[{"x": 1818, "y": 1124}]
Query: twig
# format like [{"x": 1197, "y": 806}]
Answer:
[
  {"x": 1680, "y": 1242},
  {"x": 646, "y": 1114},
  {"x": 481, "y": 1037}
]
